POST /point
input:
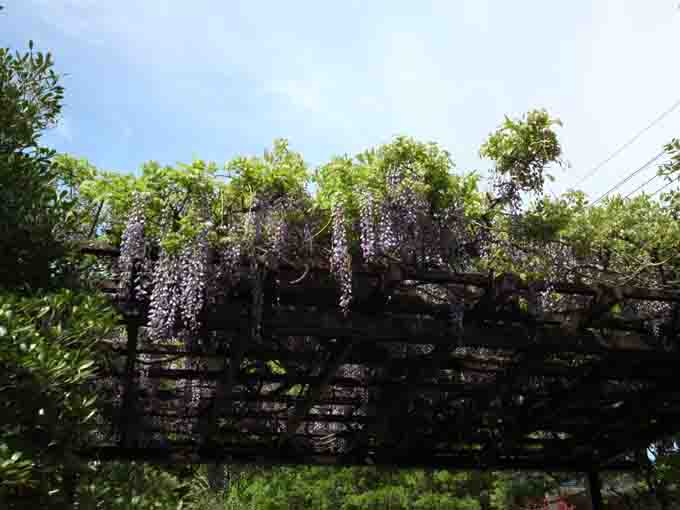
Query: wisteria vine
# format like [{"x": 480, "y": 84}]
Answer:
[
  {"x": 341, "y": 261},
  {"x": 132, "y": 250}
]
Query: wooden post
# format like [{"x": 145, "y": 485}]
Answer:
[
  {"x": 217, "y": 479},
  {"x": 70, "y": 487},
  {"x": 216, "y": 472},
  {"x": 129, "y": 390},
  {"x": 127, "y": 432},
  {"x": 595, "y": 490}
]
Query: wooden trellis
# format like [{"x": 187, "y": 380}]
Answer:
[{"x": 396, "y": 381}]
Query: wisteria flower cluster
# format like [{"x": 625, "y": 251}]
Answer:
[
  {"x": 368, "y": 226},
  {"x": 132, "y": 248},
  {"x": 194, "y": 267},
  {"x": 279, "y": 235},
  {"x": 165, "y": 300},
  {"x": 229, "y": 260},
  {"x": 179, "y": 288},
  {"x": 341, "y": 263},
  {"x": 388, "y": 237}
]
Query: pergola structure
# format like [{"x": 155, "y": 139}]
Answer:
[{"x": 287, "y": 378}]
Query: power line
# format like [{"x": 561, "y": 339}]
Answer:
[
  {"x": 664, "y": 186},
  {"x": 629, "y": 177},
  {"x": 629, "y": 142},
  {"x": 655, "y": 176}
]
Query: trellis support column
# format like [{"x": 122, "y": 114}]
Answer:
[
  {"x": 595, "y": 490},
  {"x": 314, "y": 392},
  {"x": 127, "y": 427},
  {"x": 217, "y": 479}
]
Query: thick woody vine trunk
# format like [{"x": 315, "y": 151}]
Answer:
[
  {"x": 217, "y": 477},
  {"x": 70, "y": 483}
]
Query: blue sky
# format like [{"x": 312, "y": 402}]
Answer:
[{"x": 170, "y": 80}]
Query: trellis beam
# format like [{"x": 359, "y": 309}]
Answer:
[
  {"x": 480, "y": 280},
  {"x": 264, "y": 456}
]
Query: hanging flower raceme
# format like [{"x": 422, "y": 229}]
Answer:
[
  {"x": 388, "y": 216},
  {"x": 368, "y": 226},
  {"x": 412, "y": 208},
  {"x": 253, "y": 225},
  {"x": 132, "y": 248},
  {"x": 408, "y": 203},
  {"x": 388, "y": 239},
  {"x": 164, "y": 304},
  {"x": 228, "y": 265},
  {"x": 179, "y": 291},
  {"x": 401, "y": 220},
  {"x": 341, "y": 263},
  {"x": 279, "y": 235},
  {"x": 194, "y": 270}
]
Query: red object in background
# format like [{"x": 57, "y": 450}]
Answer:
[
  {"x": 556, "y": 503},
  {"x": 563, "y": 505}
]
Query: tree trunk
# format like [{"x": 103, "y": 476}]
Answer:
[
  {"x": 217, "y": 479},
  {"x": 70, "y": 481},
  {"x": 595, "y": 490}
]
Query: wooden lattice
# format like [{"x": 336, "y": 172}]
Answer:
[{"x": 397, "y": 381}]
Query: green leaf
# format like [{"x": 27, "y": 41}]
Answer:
[{"x": 86, "y": 365}]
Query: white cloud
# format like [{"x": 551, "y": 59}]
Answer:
[{"x": 360, "y": 72}]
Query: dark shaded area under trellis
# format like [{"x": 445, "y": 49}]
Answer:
[{"x": 397, "y": 382}]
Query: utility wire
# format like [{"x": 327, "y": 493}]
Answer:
[
  {"x": 664, "y": 186},
  {"x": 650, "y": 180},
  {"x": 655, "y": 176},
  {"x": 629, "y": 177},
  {"x": 618, "y": 151}
]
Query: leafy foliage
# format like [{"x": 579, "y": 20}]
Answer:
[
  {"x": 47, "y": 360},
  {"x": 30, "y": 101},
  {"x": 521, "y": 150},
  {"x": 424, "y": 166}
]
